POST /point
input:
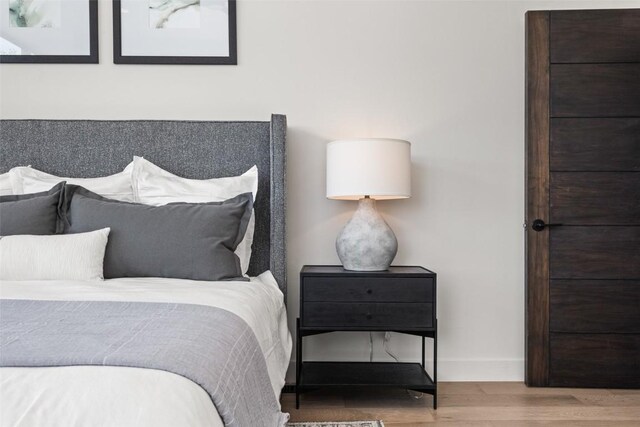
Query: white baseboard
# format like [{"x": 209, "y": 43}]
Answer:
[
  {"x": 465, "y": 370},
  {"x": 481, "y": 370}
]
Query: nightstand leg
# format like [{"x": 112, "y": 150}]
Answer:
[
  {"x": 298, "y": 361},
  {"x": 435, "y": 367}
]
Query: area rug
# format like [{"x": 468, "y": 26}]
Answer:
[{"x": 340, "y": 424}]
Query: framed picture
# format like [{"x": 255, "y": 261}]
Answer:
[
  {"x": 49, "y": 31},
  {"x": 174, "y": 32}
]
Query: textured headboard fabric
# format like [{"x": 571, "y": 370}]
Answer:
[{"x": 192, "y": 149}]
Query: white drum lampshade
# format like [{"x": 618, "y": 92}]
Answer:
[
  {"x": 368, "y": 170},
  {"x": 375, "y": 167}
]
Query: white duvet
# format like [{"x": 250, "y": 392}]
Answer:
[{"x": 117, "y": 396}]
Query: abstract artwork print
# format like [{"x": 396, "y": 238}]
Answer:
[
  {"x": 35, "y": 13},
  {"x": 174, "y": 14}
]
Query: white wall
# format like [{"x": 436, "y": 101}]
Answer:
[{"x": 446, "y": 75}]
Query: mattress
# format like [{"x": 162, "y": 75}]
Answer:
[{"x": 120, "y": 396}]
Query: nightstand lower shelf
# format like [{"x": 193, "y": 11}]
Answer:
[{"x": 369, "y": 374}]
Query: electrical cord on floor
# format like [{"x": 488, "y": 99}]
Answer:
[{"x": 385, "y": 345}]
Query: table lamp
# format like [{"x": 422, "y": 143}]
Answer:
[{"x": 368, "y": 170}]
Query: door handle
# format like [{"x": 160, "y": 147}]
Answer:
[{"x": 539, "y": 225}]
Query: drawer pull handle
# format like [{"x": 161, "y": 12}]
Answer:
[{"x": 369, "y": 291}]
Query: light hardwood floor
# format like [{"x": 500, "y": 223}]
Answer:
[{"x": 474, "y": 405}]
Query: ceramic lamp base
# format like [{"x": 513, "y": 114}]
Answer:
[{"x": 366, "y": 243}]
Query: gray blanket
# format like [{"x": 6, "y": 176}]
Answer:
[{"x": 210, "y": 346}]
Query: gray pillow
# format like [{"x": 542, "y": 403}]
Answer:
[
  {"x": 36, "y": 213},
  {"x": 182, "y": 240}
]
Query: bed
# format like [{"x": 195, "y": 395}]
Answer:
[{"x": 121, "y": 392}]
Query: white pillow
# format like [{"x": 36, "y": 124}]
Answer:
[
  {"x": 116, "y": 186},
  {"x": 5, "y": 184},
  {"x": 55, "y": 257},
  {"x": 153, "y": 185}
]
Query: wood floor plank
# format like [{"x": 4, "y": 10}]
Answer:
[
  {"x": 511, "y": 400},
  {"x": 473, "y": 405},
  {"x": 624, "y": 391},
  {"x": 612, "y": 400},
  {"x": 539, "y": 413},
  {"x": 405, "y": 415},
  {"x": 461, "y": 388},
  {"x": 555, "y": 423},
  {"x": 520, "y": 388},
  {"x": 517, "y": 424},
  {"x": 442, "y": 424}
]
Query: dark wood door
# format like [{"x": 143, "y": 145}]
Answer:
[{"x": 583, "y": 178}]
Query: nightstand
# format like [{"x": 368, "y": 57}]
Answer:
[{"x": 401, "y": 299}]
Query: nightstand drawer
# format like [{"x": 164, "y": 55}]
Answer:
[
  {"x": 368, "y": 315},
  {"x": 365, "y": 289}
]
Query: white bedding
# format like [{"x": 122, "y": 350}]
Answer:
[{"x": 117, "y": 396}]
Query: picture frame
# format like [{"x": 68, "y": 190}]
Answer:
[
  {"x": 56, "y": 32},
  {"x": 198, "y": 32}
]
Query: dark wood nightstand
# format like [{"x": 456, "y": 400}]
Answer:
[{"x": 401, "y": 299}]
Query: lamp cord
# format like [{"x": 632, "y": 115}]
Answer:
[
  {"x": 385, "y": 345},
  {"x": 370, "y": 346}
]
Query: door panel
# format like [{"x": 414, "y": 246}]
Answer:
[
  {"x": 595, "y": 90},
  {"x": 537, "y": 189},
  {"x": 595, "y": 360},
  {"x": 595, "y": 36},
  {"x": 594, "y": 252},
  {"x": 580, "y": 144},
  {"x": 583, "y": 198},
  {"x": 595, "y": 306}
]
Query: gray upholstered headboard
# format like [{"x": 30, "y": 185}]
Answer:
[{"x": 193, "y": 149}]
